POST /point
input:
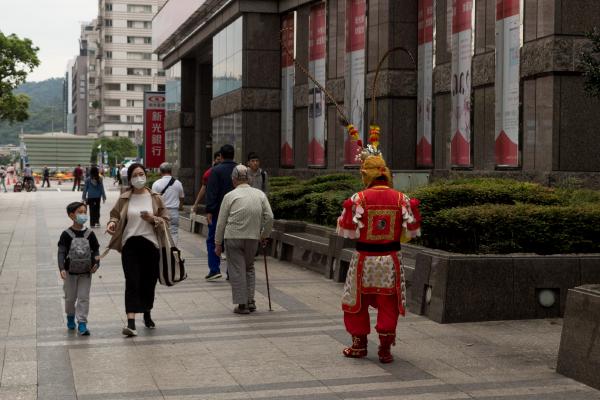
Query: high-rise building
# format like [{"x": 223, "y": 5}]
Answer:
[
  {"x": 125, "y": 66},
  {"x": 67, "y": 98}
]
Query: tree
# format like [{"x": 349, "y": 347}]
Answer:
[
  {"x": 18, "y": 57},
  {"x": 591, "y": 64},
  {"x": 117, "y": 148}
]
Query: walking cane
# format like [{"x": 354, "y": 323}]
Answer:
[{"x": 267, "y": 276}]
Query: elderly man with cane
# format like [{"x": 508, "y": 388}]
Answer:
[{"x": 245, "y": 219}]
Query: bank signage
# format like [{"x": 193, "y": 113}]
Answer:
[
  {"x": 154, "y": 128},
  {"x": 356, "y": 23},
  {"x": 287, "y": 92},
  {"x": 462, "y": 55},
  {"x": 508, "y": 45},
  {"x": 317, "y": 44},
  {"x": 425, "y": 85}
]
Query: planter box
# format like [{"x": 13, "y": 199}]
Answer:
[
  {"x": 579, "y": 354},
  {"x": 448, "y": 287}
]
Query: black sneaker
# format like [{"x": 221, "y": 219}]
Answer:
[
  {"x": 213, "y": 276},
  {"x": 252, "y": 306},
  {"x": 241, "y": 309},
  {"x": 127, "y": 331}
]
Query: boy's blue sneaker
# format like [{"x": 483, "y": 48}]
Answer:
[
  {"x": 70, "y": 322},
  {"x": 83, "y": 330}
]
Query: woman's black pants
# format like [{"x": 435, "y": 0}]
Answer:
[
  {"x": 140, "y": 260},
  {"x": 94, "y": 211}
]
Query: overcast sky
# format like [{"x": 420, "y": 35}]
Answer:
[{"x": 52, "y": 25}]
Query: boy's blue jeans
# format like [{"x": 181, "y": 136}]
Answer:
[{"x": 214, "y": 262}]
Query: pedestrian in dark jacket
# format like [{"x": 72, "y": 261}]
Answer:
[
  {"x": 93, "y": 191},
  {"x": 46, "y": 177},
  {"x": 219, "y": 184}
]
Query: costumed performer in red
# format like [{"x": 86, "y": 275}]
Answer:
[{"x": 380, "y": 218}]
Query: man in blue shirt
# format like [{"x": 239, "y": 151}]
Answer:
[{"x": 219, "y": 184}]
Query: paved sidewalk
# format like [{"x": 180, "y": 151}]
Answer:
[{"x": 201, "y": 350}]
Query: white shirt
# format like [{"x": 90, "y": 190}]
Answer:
[
  {"x": 136, "y": 226},
  {"x": 173, "y": 193},
  {"x": 124, "y": 171}
]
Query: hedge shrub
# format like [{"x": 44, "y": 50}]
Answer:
[
  {"x": 449, "y": 194},
  {"x": 500, "y": 228},
  {"x": 317, "y": 200},
  {"x": 481, "y": 215}
]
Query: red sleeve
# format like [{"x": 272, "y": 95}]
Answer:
[{"x": 206, "y": 176}]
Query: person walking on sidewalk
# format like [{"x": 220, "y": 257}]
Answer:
[
  {"x": 78, "y": 251},
  {"x": 3, "y": 177},
  {"x": 257, "y": 177},
  {"x": 379, "y": 217},
  {"x": 93, "y": 191},
  {"x": 123, "y": 174},
  {"x": 77, "y": 174},
  {"x": 46, "y": 176},
  {"x": 172, "y": 194},
  {"x": 219, "y": 184},
  {"x": 202, "y": 192},
  {"x": 245, "y": 219},
  {"x": 133, "y": 223}
]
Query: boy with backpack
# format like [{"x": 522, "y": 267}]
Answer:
[{"x": 78, "y": 251}]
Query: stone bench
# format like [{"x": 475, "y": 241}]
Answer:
[{"x": 579, "y": 353}]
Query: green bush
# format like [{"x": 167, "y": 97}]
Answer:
[
  {"x": 499, "y": 228},
  {"x": 318, "y": 200},
  {"x": 151, "y": 177},
  {"x": 449, "y": 194}
]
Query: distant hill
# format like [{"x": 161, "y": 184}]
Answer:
[{"x": 46, "y": 103}]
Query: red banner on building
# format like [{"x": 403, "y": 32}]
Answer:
[
  {"x": 287, "y": 92},
  {"x": 462, "y": 55},
  {"x": 508, "y": 47},
  {"x": 317, "y": 44},
  {"x": 356, "y": 24},
  {"x": 154, "y": 128},
  {"x": 425, "y": 85}
]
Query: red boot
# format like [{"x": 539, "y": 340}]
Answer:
[
  {"x": 358, "y": 348},
  {"x": 386, "y": 340}
]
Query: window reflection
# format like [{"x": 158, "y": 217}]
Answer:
[
  {"x": 227, "y": 59},
  {"x": 227, "y": 129}
]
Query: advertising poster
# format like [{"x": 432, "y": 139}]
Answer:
[
  {"x": 316, "y": 99},
  {"x": 425, "y": 85},
  {"x": 462, "y": 54},
  {"x": 287, "y": 93},
  {"x": 356, "y": 23},
  {"x": 508, "y": 44},
  {"x": 154, "y": 128}
]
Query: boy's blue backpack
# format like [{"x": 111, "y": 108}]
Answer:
[{"x": 80, "y": 253}]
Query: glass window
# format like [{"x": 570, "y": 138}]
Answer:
[
  {"x": 108, "y": 7},
  {"x": 227, "y": 59},
  {"x": 227, "y": 129},
  {"x": 108, "y": 22}
]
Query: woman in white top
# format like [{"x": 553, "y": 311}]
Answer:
[{"x": 132, "y": 225}]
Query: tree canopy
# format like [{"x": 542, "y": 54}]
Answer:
[
  {"x": 118, "y": 148},
  {"x": 591, "y": 64},
  {"x": 18, "y": 57}
]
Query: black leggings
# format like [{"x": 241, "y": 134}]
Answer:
[
  {"x": 94, "y": 211},
  {"x": 140, "y": 260}
]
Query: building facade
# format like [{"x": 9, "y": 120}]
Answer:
[
  {"x": 464, "y": 86},
  {"x": 125, "y": 66}
]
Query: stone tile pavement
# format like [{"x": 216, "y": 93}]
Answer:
[{"x": 201, "y": 350}]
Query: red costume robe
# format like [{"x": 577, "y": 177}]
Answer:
[{"x": 380, "y": 218}]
